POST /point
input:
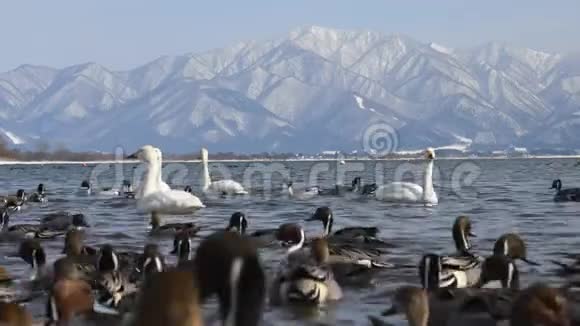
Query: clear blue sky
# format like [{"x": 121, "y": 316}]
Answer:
[{"x": 125, "y": 33}]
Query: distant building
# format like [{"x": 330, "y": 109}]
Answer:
[
  {"x": 330, "y": 153},
  {"x": 513, "y": 151}
]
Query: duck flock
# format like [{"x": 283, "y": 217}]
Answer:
[{"x": 104, "y": 286}]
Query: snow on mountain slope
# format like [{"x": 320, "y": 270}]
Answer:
[{"x": 315, "y": 89}]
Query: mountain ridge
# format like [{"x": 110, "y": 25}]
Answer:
[{"x": 302, "y": 92}]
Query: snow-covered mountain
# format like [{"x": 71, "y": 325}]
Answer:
[{"x": 318, "y": 88}]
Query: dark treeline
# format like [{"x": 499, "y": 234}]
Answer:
[{"x": 44, "y": 153}]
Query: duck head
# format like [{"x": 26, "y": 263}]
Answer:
[
  {"x": 356, "y": 183},
  {"x": 127, "y": 186},
  {"x": 227, "y": 264},
  {"x": 513, "y": 246},
  {"x": 411, "y": 301},
  {"x": 502, "y": 269},
  {"x": 79, "y": 221},
  {"x": 4, "y": 219},
  {"x": 85, "y": 184},
  {"x": 557, "y": 184},
  {"x": 238, "y": 223},
  {"x": 40, "y": 189},
  {"x": 429, "y": 271},
  {"x": 291, "y": 235},
  {"x": 21, "y": 194},
  {"x": 182, "y": 245},
  {"x": 461, "y": 233},
  {"x": 32, "y": 253},
  {"x": 151, "y": 262},
  {"x": 323, "y": 214},
  {"x": 108, "y": 260}
]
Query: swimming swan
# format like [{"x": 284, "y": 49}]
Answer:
[
  {"x": 226, "y": 187},
  {"x": 156, "y": 199},
  {"x": 406, "y": 192}
]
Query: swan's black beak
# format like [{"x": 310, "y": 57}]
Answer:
[{"x": 133, "y": 156}]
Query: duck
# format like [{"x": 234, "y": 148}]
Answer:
[
  {"x": 169, "y": 298},
  {"x": 513, "y": 246},
  {"x": 340, "y": 189},
  {"x": 39, "y": 196},
  {"x": 169, "y": 229},
  {"x": 32, "y": 252},
  {"x": 324, "y": 214},
  {"x": 153, "y": 199},
  {"x": 63, "y": 221},
  {"x": 13, "y": 314},
  {"x": 127, "y": 190},
  {"x": 406, "y": 192},
  {"x": 221, "y": 187},
  {"x": 307, "y": 281},
  {"x": 434, "y": 275},
  {"x": 458, "y": 270},
  {"x": 14, "y": 203},
  {"x": 570, "y": 194},
  {"x": 538, "y": 304},
  {"x": 113, "y": 278},
  {"x": 228, "y": 265},
  {"x": 19, "y": 232},
  {"x": 85, "y": 188},
  {"x": 182, "y": 246},
  {"x": 302, "y": 194},
  {"x": 74, "y": 244},
  {"x": 71, "y": 302},
  {"x": 151, "y": 261},
  {"x": 292, "y": 236},
  {"x": 238, "y": 223}
]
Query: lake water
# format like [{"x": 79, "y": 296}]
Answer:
[{"x": 499, "y": 195}]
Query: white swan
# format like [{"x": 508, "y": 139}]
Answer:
[
  {"x": 155, "y": 198},
  {"x": 406, "y": 192},
  {"x": 227, "y": 187},
  {"x": 162, "y": 185}
]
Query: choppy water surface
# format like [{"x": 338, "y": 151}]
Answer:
[{"x": 499, "y": 195}]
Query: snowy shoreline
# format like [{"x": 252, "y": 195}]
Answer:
[{"x": 287, "y": 160}]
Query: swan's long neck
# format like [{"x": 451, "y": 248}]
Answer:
[
  {"x": 206, "y": 178},
  {"x": 152, "y": 177},
  {"x": 428, "y": 181},
  {"x": 159, "y": 176}
]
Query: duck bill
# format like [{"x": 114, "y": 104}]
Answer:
[
  {"x": 390, "y": 312},
  {"x": 311, "y": 218},
  {"x": 530, "y": 262}
]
